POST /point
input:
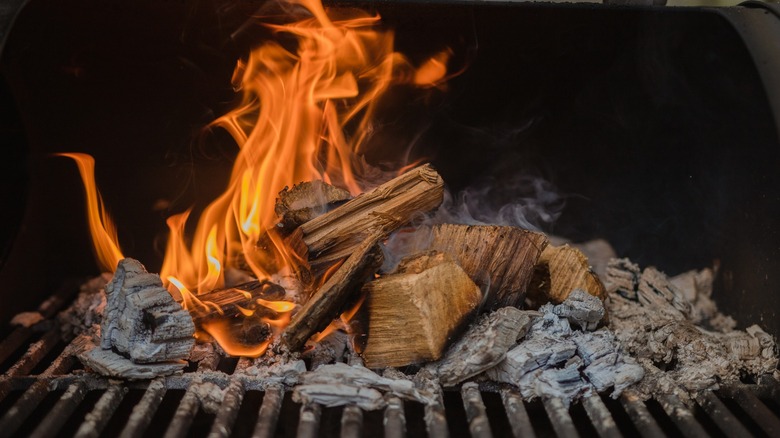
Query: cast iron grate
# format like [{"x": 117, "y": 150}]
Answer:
[{"x": 44, "y": 392}]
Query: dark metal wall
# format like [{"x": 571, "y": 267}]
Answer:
[{"x": 654, "y": 124}]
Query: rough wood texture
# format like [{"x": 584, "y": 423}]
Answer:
[
  {"x": 228, "y": 302},
  {"x": 110, "y": 364},
  {"x": 411, "y": 315},
  {"x": 327, "y": 302},
  {"x": 560, "y": 270},
  {"x": 305, "y": 201},
  {"x": 336, "y": 234},
  {"x": 141, "y": 318},
  {"x": 484, "y": 345},
  {"x": 499, "y": 259}
]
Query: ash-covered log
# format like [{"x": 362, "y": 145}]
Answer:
[
  {"x": 427, "y": 301},
  {"x": 335, "y": 235},
  {"x": 500, "y": 259}
]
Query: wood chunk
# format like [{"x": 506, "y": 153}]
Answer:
[
  {"x": 305, "y": 201},
  {"x": 623, "y": 277},
  {"x": 141, "y": 318},
  {"x": 108, "y": 363},
  {"x": 336, "y": 234},
  {"x": 228, "y": 302},
  {"x": 484, "y": 345},
  {"x": 327, "y": 302},
  {"x": 582, "y": 309},
  {"x": 562, "y": 269},
  {"x": 531, "y": 354},
  {"x": 411, "y": 316},
  {"x": 500, "y": 259}
]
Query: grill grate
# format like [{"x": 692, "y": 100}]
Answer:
[{"x": 64, "y": 400}]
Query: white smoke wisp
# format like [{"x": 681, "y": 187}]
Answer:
[{"x": 524, "y": 201}]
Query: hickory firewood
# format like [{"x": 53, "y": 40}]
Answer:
[
  {"x": 499, "y": 259},
  {"x": 413, "y": 315},
  {"x": 336, "y": 234},
  {"x": 142, "y": 320},
  {"x": 562, "y": 269},
  {"x": 327, "y": 302},
  {"x": 484, "y": 345},
  {"x": 305, "y": 201}
]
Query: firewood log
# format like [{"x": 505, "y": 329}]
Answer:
[
  {"x": 562, "y": 269},
  {"x": 499, "y": 259},
  {"x": 328, "y": 301},
  {"x": 305, "y": 201},
  {"x": 412, "y": 316},
  {"x": 232, "y": 302},
  {"x": 336, "y": 234}
]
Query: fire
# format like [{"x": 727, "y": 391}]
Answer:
[{"x": 290, "y": 126}]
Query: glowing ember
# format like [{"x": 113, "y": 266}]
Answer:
[{"x": 289, "y": 127}]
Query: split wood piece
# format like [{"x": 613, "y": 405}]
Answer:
[
  {"x": 336, "y": 234},
  {"x": 499, "y": 259},
  {"x": 326, "y": 304},
  {"x": 305, "y": 201},
  {"x": 484, "y": 345},
  {"x": 142, "y": 320},
  {"x": 562, "y": 269},
  {"x": 412, "y": 316},
  {"x": 110, "y": 364}
]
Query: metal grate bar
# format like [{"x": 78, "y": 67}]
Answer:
[
  {"x": 19, "y": 336},
  {"x": 681, "y": 416},
  {"x": 35, "y": 353},
  {"x": 755, "y": 408},
  {"x": 516, "y": 413},
  {"x": 559, "y": 416},
  {"x": 395, "y": 418},
  {"x": 268, "y": 415},
  {"x": 640, "y": 416},
  {"x": 721, "y": 415},
  {"x": 95, "y": 421},
  {"x": 435, "y": 418},
  {"x": 143, "y": 412},
  {"x": 309, "y": 421},
  {"x": 61, "y": 411},
  {"x": 600, "y": 417},
  {"x": 476, "y": 414},
  {"x": 34, "y": 395},
  {"x": 351, "y": 422},
  {"x": 185, "y": 414},
  {"x": 228, "y": 412}
]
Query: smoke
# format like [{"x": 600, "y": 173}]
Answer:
[{"x": 523, "y": 201}]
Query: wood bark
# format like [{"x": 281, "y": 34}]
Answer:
[
  {"x": 305, "y": 201},
  {"x": 412, "y": 316},
  {"x": 336, "y": 234},
  {"x": 560, "y": 270},
  {"x": 499, "y": 259},
  {"x": 142, "y": 320},
  {"x": 327, "y": 302}
]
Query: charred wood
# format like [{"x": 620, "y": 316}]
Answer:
[{"x": 306, "y": 201}]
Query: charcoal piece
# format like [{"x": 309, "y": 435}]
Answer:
[
  {"x": 537, "y": 352},
  {"x": 613, "y": 370},
  {"x": 339, "y": 394},
  {"x": 564, "y": 383},
  {"x": 622, "y": 277},
  {"x": 110, "y": 364},
  {"x": 582, "y": 309}
]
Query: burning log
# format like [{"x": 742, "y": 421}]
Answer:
[
  {"x": 562, "y": 269},
  {"x": 484, "y": 345},
  {"x": 499, "y": 258},
  {"x": 142, "y": 322},
  {"x": 327, "y": 302},
  {"x": 234, "y": 301},
  {"x": 305, "y": 201},
  {"x": 338, "y": 233},
  {"x": 430, "y": 305}
]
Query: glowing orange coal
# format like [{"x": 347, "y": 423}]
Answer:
[{"x": 289, "y": 127}]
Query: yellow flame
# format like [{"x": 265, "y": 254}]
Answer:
[
  {"x": 101, "y": 227},
  {"x": 276, "y": 306}
]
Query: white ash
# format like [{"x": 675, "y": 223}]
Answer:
[
  {"x": 675, "y": 331},
  {"x": 555, "y": 360},
  {"x": 86, "y": 312},
  {"x": 209, "y": 394},
  {"x": 331, "y": 395},
  {"x": 282, "y": 368},
  {"x": 108, "y": 363}
]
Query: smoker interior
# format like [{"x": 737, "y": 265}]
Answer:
[{"x": 653, "y": 123}]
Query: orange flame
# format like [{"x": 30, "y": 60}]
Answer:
[
  {"x": 101, "y": 227},
  {"x": 289, "y": 127}
]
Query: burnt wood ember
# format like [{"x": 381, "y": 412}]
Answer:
[
  {"x": 335, "y": 235},
  {"x": 305, "y": 201},
  {"x": 428, "y": 304},
  {"x": 484, "y": 345},
  {"x": 500, "y": 259},
  {"x": 560, "y": 270},
  {"x": 141, "y": 318},
  {"x": 328, "y": 301}
]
